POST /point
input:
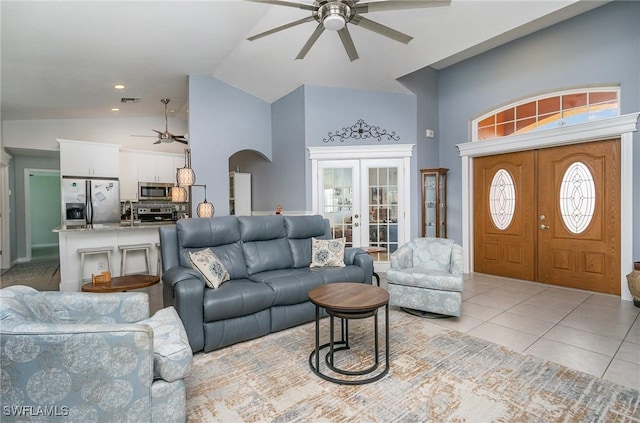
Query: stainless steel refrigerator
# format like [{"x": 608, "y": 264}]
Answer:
[{"x": 90, "y": 201}]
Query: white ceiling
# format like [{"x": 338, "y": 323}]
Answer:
[{"x": 61, "y": 59}]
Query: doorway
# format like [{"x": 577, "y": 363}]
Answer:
[
  {"x": 362, "y": 202},
  {"x": 43, "y": 213},
  {"x": 622, "y": 127},
  {"x": 551, "y": 215},
  {"x": 365, "y": 197}
]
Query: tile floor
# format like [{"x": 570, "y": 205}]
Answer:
[{"x": 596, "y": 333}]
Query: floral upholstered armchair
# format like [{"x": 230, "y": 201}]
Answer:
[
  {"x": 426, "y": 275},
  {"x": 91, "y": 357}
]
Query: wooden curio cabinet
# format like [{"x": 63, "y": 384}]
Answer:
[{"x": 434, "y": 202}]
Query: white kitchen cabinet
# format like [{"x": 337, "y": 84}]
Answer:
[
  {"x": 156, "y": 167},
  {"x": 178, "y": 162},
  {"x": 128, "y": 176},
  {"x": 89, "y": 159},
  {"x": 240, "y": 194}
]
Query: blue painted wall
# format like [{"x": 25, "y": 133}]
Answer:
[
  {"x": 329, "y": 109},
  {"x": 300, "y": 119},
  {"x": 280, "y": 181},
  {"x": 424, "y": 83},
  {"x": 222, "y": 121},
  {"x": 599, "y": 47}
]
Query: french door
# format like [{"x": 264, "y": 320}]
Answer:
[
  {"x": 550, "y": 215},
  {"x": 364, "y": 201}
]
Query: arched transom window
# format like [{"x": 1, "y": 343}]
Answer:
[{"x": 548, "y": 111}]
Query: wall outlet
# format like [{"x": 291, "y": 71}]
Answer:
[{"x": 102, "y": 265}]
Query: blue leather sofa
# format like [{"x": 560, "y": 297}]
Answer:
[{"x": 268, "y": 260}]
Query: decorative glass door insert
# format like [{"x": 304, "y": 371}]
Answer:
[
  {"x": 337, "y": 202},
  {"x": 382, "y": 206}
]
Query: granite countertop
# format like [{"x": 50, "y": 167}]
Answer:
[{"x": 122, "y": 226}]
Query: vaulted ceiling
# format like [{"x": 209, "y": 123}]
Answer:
[{"x": 60, "y": 60}]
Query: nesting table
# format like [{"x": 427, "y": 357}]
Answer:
[
  {"x": 371, "y": 251},
  {"x": 348, "y": 301}
]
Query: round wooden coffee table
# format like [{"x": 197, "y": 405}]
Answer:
[
  {"x": 348, "y": 301},
  {"x": 122, "y": 283}
]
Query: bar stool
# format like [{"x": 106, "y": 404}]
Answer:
[
  {"x": 124, "y": 249},
  {"x": 159, "y": 264},
  {"x": 91, "y": 251}
]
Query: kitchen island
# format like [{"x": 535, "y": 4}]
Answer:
[{"x": 73, "y": 238}]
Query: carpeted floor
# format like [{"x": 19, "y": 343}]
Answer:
[
  {"x": 43, "y": 275},
  {"x": 435, "y": 375}
]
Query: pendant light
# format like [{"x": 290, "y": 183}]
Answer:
[
  {"x": 178, "y": 194},
  {"x": 205, "y": 209},
  {"x": 185, "y": 175}
]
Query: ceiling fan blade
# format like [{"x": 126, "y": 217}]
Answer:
[
  {"x": 347, "y": 42},
  {"x": 285, "y": 3},
  {"x": 158, "y": 142},
  {"x": 280, "y": 28},
  {"x": 376, "y": 27},
  {"x": 310, "y": 42},
  {"x": 182, "y": 141},
  {"x": 385, "y": 5},
  {"x": 157, "y": 132},
  {"x": 145, "y": 136}
]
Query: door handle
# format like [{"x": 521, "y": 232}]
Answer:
[
  {"x": 543, "y": 217},
  {"x": 356, "y": 224},
  {"x": 544, "y": 227}
]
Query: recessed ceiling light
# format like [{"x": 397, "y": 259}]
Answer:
[
  {"x": 115, "y": 109},
  {"x": 119, "y": 87}
]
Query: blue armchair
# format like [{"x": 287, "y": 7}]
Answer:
[
  {"x": 426, "y": 275},
  {"x": 91, "y": 357}
]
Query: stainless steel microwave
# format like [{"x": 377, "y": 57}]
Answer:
[{"x": 154, "y": 191}]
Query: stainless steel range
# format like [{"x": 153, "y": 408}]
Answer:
[{"x": 157, "y": 214}]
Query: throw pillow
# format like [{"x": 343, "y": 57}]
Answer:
[
  {"x": 210, "y": 266},
  {"x": 327, "y": 252}
]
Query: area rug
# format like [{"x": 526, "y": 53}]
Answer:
[
  {"x": 43, "y": 275},
  {"x": 436, "y": 376}
]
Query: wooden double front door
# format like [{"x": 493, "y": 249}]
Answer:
[{"x": 550, "y": 215}]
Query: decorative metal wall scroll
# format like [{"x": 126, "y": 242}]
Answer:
[{"x": 360, "y": 131}]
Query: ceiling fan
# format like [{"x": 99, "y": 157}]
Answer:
[
  {"x": 334, "y": 15},
  {"x": 166, "y": 136}
]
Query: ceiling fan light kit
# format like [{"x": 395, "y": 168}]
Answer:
[
  {"x": 334, "y": 22},
  {"x": 335, "y": 15}
]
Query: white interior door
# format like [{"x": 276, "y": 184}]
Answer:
[
  {"x": 339, "y": 198},
  {"x": 382, "y": 196},
  {"x": 364, "y": 201}
]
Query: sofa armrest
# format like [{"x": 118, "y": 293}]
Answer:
[
  {"x": 402, "y": 258},
  {"x": 457, "y": 261},
  {"x": 358, "y": 257},
  {"x": 95, "y": 370},
  {"x": 85, "y": 307},
  {"x": 183, "y": 288}
]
